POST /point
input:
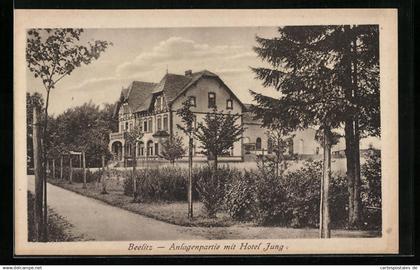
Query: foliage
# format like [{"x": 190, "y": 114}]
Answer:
[
  {"x": 291, "y": 199},
  {"x": 187, "y": 118},
  {"x": 240, "y": 201},
  {"x": 211, "y": 186},
  {"x": 91, "y": 176},
  {"x": 167, "y": 184},
  {"x": 218, "y": 133},
  {"x": 89, "y": 126},
  {"x": 134, "y": 135},
  {"x": 173, "y": 148},
  {"x": 51, "y": 54},
  {"x": 371, "y": 190},
  {"x": 310, "y": 61}
]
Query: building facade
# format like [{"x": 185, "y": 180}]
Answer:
[{"x": 152, "y": 107}]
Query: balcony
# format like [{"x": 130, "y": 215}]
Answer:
[{"x": 116, "y": 136}]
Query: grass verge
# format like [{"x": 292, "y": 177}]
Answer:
[{"x": 171, "y": 212}]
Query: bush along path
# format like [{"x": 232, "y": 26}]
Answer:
[{"x": 246, "y": 199}]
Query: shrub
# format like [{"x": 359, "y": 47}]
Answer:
[
  {"x": 211, "y": 186},
  {"x": 269, "y": 194},
  {"x": 158, "y": 184},
  {"x": 90, "y": 176},
  {"x": 371, "y": 191},
  {"x": 240, "y": 199},
  {"x": 339, "y": 196},
  {"x": 302, "y": 188},
  {"x": 128, "y": 186}
]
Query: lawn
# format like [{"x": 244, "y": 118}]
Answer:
[{"x": 171, "y": 212}]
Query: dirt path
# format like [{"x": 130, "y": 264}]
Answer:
[{"x": 99, "y": 221}]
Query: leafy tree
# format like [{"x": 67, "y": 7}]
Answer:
[
  {"x": 279, "y": 143},
  {"x": 310, "y": 93},
  {"x": 134, "y": 136},
  {"x": 51, "y": 55},
  {"x": 173, "y": 148},
  {"x": 343, "y": 58},
  {"x": 218, "y": 133},
  {"x": 89, "y": 128}
]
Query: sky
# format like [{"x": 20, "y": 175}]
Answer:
[{"x": 146, "y": 54}]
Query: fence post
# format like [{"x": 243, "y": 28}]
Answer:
[
  {"x": 84, "y": 169},
  {"x": 61, "y": 167},
  {"x": 53, "y": 165},
  {"x": 71, "y": 170},
  {"x": 104, "y": 175}
]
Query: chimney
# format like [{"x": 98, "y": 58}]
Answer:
[{"x": 188, "y": 72}]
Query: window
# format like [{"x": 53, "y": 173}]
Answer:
[
  {"x": 131, "y": 126},
  {"x": 229, "y": 104},
  {"x": 150, "y": 125},
  {"x": 192, "y": 101},
  {"x": 158, "y": 103},
  {"x": 212, "y": 100},
  {"x": 150, "y": 148},
  {"x": 165, "y": 122},
  {"x": 159, "y": 123},
  {"x": 258, "y": 144},
  {"x": 156, "y": 149},
  {"x": 145, "y": 126},
  {"x": 141, "y": 149},
  {"x": 126, "y": 126}
]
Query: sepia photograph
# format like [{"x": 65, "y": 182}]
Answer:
[{"x": 206, "y": 135}]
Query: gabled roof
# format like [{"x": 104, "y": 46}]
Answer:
[
  {"x": 139, "y": 95},
  {"x": 171, "y": 85}
]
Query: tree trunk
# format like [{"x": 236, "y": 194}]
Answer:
[
  {"x": 38, "y": 218},
  {"x": 325, "y": 231},
  {"x": 350, "y": 161},
  {"x": 356, "y": 216},
  {"x": 355, "y": 222},
  {"x": 190, "y": 156},
  {"x": 70, "y": 170},
  {"x": 134, "y": 175},
  {"x": 48, "y": 168},
  {"x": 44, "y": 157},
  {"x": 104, "y": 175},
  {"x": 84, "y": 169},
  {"x": 53, "y": 170},
  {"x": 61, "y": 167},
  {"x": 352, "y": 148}
]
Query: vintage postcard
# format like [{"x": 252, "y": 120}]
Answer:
[{"x": 197, "y": 132}]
